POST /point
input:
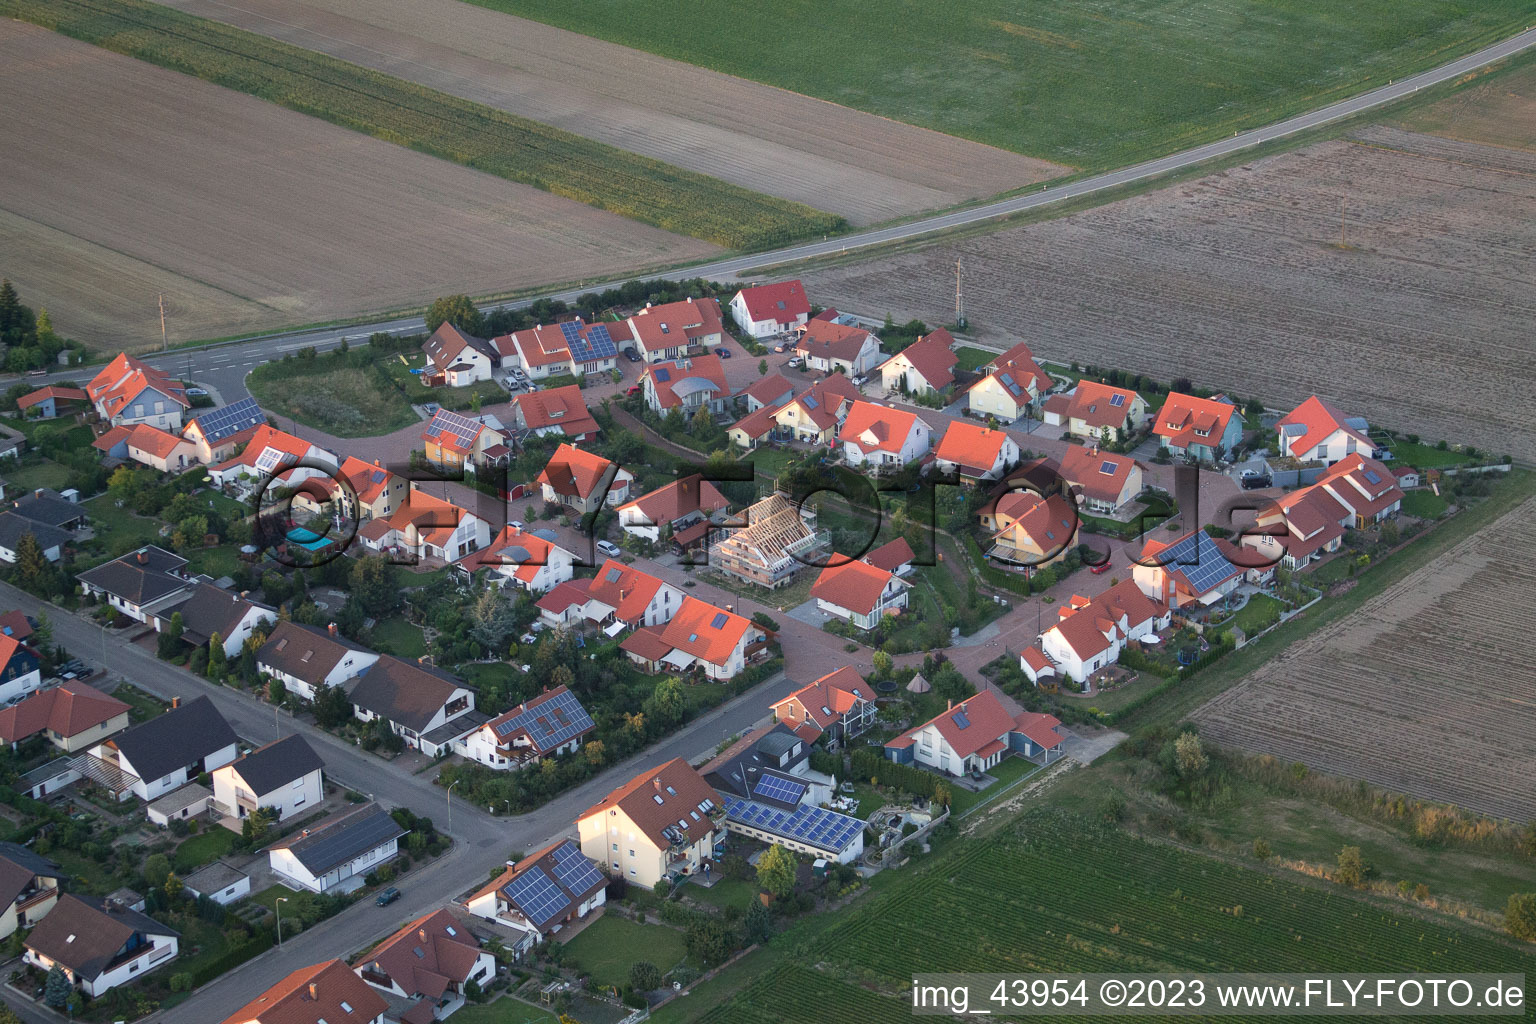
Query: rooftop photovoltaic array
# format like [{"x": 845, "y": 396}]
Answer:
[
  {"x": 574, "y": 870},
  {"x": 777, "y": 787},
  {"x": 814, "y": 826},
  {"x": 962, "y": 721},
  {"x": 593, "y": 345},
  {"x": 1107, "y": 468},
  {"x": 460, "y": 427},
  {"x": 1199, "y": 559},
  {"x": 550, "y": 722},
  {"x": 1117, "y": 400},
  {"x": 537, "y": 896},
  {"x": 222, "y": 423},
  {"x": 662, "y": 373}
]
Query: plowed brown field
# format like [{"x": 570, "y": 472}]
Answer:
[
  {"x": 1429, "y": 688},
  {"x": 123, "y": 181},
  {"x": 1422, "y": 322},
  {"x": 862, "y": 166}
]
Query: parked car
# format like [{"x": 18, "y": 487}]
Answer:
[
  {"x": 860, "y": 381},
  {"x": 633, "y": 389},
  {"x": 517, "y": 523},
  {"x": 781, "y": 347},
  {"x": 1099, "y": 570},
  {"x": 196, "y": 391},
  {"x": 793, "y": 361},
  {"x": 388, "y": 896},
  {"x": 609, "y": 548},
  {"x": 976, "y": 774},
  {"x": 632, "y": 355},
  {"x": 724, "y": 352},
  {"x": 1253, "y": 478}
]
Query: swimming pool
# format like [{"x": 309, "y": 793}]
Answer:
[{"x": 309, "y": 540}]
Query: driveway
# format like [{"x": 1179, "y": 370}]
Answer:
[{"x": 1087, "y": 749}]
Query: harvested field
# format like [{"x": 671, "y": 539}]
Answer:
[
  {"x": 861, "y": 166},
  {"x": 1500, "y": 111},
  {"x": 1237, "y": 280},
  {"x": 248, "y": 216},
  {"x": 1429, "y": 688}
]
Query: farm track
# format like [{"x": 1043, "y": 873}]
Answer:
[
  {"x": 1421, "y": 322},
  {"x": 246, "y": 215},
  {"x": 1429, "y": 688},
  {"x": 864, "y": 167}
]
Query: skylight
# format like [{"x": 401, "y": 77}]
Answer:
[
  {"x": 657, "y": 798},
  {"x": 1107, "y": 468},
  {"x": 1117, "y": 400},
  {"x": 348, "y": 1006}
]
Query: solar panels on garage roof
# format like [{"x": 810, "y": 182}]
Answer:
[
  {"x": 814, "y": 826},
  {"x": 221, "y": 423},
  {"x": 537, "y": 896},
  {"x": 776, "y": 787}
]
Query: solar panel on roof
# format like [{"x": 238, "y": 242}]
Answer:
[
  {"x": 810, "y": 401},
  {"x": 551, "y": 722},
  {"x": 594, "y": 345},
  {"x": 961, "y": 721},
  {"x": 1107, "y": 468},
  {"x": 613, "y": 575},
  {"x": 1372, "y": 476},
  {"x": 718, "y": 621},
  {"x": 463, "y": 429},
  {"x": 574, "y": 870},
  {"x": 662, "y": 374},
  {"x": 775, "y": 787},
  {"x": 1201, "y": 561},
  {"x": 536, "y": 895},
  {"x": 218, "y": 424},
  {"x": 1117, "y": 400},
  {"x": 828, "y": 830},
  {"x": 271, "y": 459}
]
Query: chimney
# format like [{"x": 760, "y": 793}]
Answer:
[
  {"x": 422, "y": 932},
  {"x": 331, "y": 629},
  {"x": 143, "y": 557},
  {"x": 37, "y": 493},
  {"x": 314, "y": 991},
  {"x": 656, "y": 782},
  {"x": 175, "y": 703},
  {"x": 376, "y": 462},
  {"x": 949, "y": 705}
]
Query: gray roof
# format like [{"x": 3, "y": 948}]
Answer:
[
  {"x": 216, "y": 877},
  {"x": 14, "y": 526},
  {"x": 404, "y": 691},
  {"x": 52, "y": 770},
  {"x": 278, "y": 763},
  {"x": 175, "y": 739},
  {"x": 341, "y": 837},
  {"x": 305, "y": 652},
  {"x": 139, "y": 577},
  {"x": 209, "y": 610},
  {"x": 48, "y": 508},
  {"x": 177, "y": 799}
]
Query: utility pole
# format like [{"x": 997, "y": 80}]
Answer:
[
  {"x": 1342, "y": 243},
  {"x": 959, "y": 298},
  {"x": 450, "y": 805},
  {"x": 164, "y": 340},
  {"x": 278, "y": 906}
]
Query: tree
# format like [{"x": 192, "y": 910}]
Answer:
[
  {"x": 57, "y": 989},
  {"x": 762, "y": 367},
  {"x": 277, "y": 691},
  {"x": 644, "y": 976},
  {"x": 218, "y": 661},
  {"x": 776, "y": 871},
  {"x": 373, "y": 585},
  {"x": 169, "y": 644},
  {"x": 173, "y": 885},
  {"x": 757, "y": 925},
  {"x": 1190, "y": 756},
  {"x": 710, "y": 941},
  {"x": 595, "y": 753},
  {"x": 668, "y": 703},
  {"x": 457, "y": 310},
  {"x": 1351, "y": 866},
  {"x": 882, "y": 663},
  {"x": 493, "y": 620},
  {"x": 1520, "y": 915},
  {"x": 331, "y": 707},
  {"x": 157, "y": 868}
]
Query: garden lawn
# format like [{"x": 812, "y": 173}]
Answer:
[
  {"x": 505, "y": 1010},
  {"x": 404, "y": 639},
  {"x": 343, "y": 399},
  {"x": 725, "y": 893},
  {"x": 30, "y": 475},
  {"x": 608, "y": 946},
  {"x": 219, "y": 560},
  {"x": 118, "y": 530},
  {"x": 768, "y": 463},
  {"x": 204, "y": 848},
  {"x": 1088, "y": 84},
  {"x": 1260, "y": 612},
  {"x": 141, "y": 706},
  {"x": 972, "y": 358},
  {"x": 1007, "y": 773},
  {"x": 1425, "y": 456},
  {"x": 1424, "y": 504}
]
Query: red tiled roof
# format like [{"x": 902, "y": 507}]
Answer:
[
  {"x": 666, "y": 376},
  {"x": 369, "y": 480},
  {"x": 1037, "y": 660},
  {"x": 826, "y": 340},
  {"x": 877, "y": 427},
  {"x": 781, "y": 302},
  {"x": 1094, "y": 404},
  {"x": 1087, "y": 626},
  {"x": 692, "y": 630},
  {"x": 311, "y": 995},
  {"x": 53, "y": 391},
  {"x": 986, "y": 720},
  {"x": 891, "y": 556},
  {"x": 425, "y": 956},
  {"x": 112, "y": 438},
  {"x": 624, "y": 588},
  {"x": 1039, "y": 727},
  {"x": 971, "y": 446},
  {"x": 838, "y": 692},
  {"x": 14, "y": 624},
  {"x": 931, "y": 356},
  {"x": 680, "y": 790},
  {"x": 678, "y": 499},
  {"x": 124, "y": 378},
  {"x": 1019, "y": 363},
  {"x": 1083, "y": 467},
  {"x": 1049, "y": 522},
  {"x": 68, "y": 709},
  {"x": 563, "y": 596},
  {"x": 675, "y": 323},
  {"x": 556, "y": 407},
  {"x": 856, "y": 586},
  {"x": 768, "y": 390},
  {"x": 757, "y": 423},
  {"x": 513, "y": 548},
  {"x": 1186, "y": 419},
  {"x": 829, "y": 394},
  {"x": 268, "y": 436},
  {"x": 1319, "y": 420},
  {"x": 646, "y": 643},
  {"x": 153, "y": 441},
  {"x": 574, "y": 472}
]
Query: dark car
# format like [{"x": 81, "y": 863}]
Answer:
[
  {"x": 388, "y": 896},
  {"x": 632, "y": 355},
  {"x": 976, "y": 774},
  {"x": 725, "y": 353},
  {"x": 1255, "y": 481}
]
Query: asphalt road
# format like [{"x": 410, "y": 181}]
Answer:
[
  {"x": 225, "y": 365},
  {"x": 482, "y": 840}
]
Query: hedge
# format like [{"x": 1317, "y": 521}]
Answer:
[{"x": 231, "y": 958}]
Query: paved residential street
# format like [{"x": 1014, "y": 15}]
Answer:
[{"x": 481, "y": 839}]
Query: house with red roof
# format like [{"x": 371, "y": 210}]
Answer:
[
  {"x": 1090, "y": 634},
  {"x": 860, "y": 593},
  {"x": 688, "y": 385},
  {"x": 160, "y": 449},
  {"x": 561, "y": 411},
  {"x": 1010, "y": 385},
  {"x": 1096, "y": 411},
  {"x": 456, "y": 443},
  {"x": 457, "y": 358},
  {"x": 1317, "y": 431},
  {"x": 925, "y": 367},
  {"x": 660, "y": 824},
  {"x": 619, "y": 594},
  {"x": 375, "y": 492},
  {"x": 1191, "y": 570},
  {"x": 754, "y": 429},
  {"x": 20, "y": 669},
  {"x": 976, "y": 452},
  {"x": 428, "y": 962},
  {"x": 895, "y": 556},
  {"x": 1299, "y": 528},
  {"x": 215, "y": 433},
  {"x": 1365, "y": 487},
  {"x": 768, "y": 309},
  {"x": 676, "y": 329},
  {"x": 882, "y": 437},
  {"x": 682, "y": 508},
  {"x": 699, "y": 639},
  {"x": 840, "y": 705},
  {"x": 768, "y": 392},
  {"x": 426, "y": 527},
  {"x": 269, "y": 455},
  {"x": 519, "y": 558},
  {"x": 815, "y": 416},
  {"x": 551, "y": 724},
  {"x": 1198, "y": 427},
  {"x": 573, "y": 348},
  {"x": 1029, "y": 530},
  {"x": 1101, "y": 482},
  {"x": 50, "y": 401},
  {"x": 326, "y": 993},
  {"x": 582, "y": 481},
  {"x": 975, "y": 734},
  {"x": 829, "y": 346},
  {"x": 129, "y": 391},
  {"x": 538, "y": 896}
]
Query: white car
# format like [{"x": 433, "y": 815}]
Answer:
[
  {"x": 859, "y": 382},
  {"x": 609, "y": 548},
  {"x": 793, "y": 362}
]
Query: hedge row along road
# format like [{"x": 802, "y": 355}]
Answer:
[{"x": 434, "y": 122}]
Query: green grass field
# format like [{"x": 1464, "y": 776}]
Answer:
[
  {"x": 1426, "y": 456},
  {"x": 403, "y": 638},
  {"x": 340, "y": 399},
  {"x": 1053, "y": 891},
  {"x": 608, "y": 946},
  {"x": 1424, "y": 504},
  {"x": 434, "y": 122},
  {"x": 205, "y": 847},
  {"x": 971, "y": 358},
  {"x": 504, "y": 1011},
  {"x": 1090, "y": 83}
]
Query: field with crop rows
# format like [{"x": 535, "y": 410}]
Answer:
[
  {"x": 487, "y": 139},
  {"x": 1089, "y": 83},
  {"x": 246, "y": 216},
  {"x": 1237, "y": 280},
  {"x": 852, "y": 163},
  {"x": 1056, "y": 892},
  {"x": 1428, "y": 689}
]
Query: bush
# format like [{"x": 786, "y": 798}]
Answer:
[
  {"x": 644, "y": 976},
  {"x": 1520, "y": 916},
  {"x": 232, "y": 958},
  {"x": 1351, "y": 870}
]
